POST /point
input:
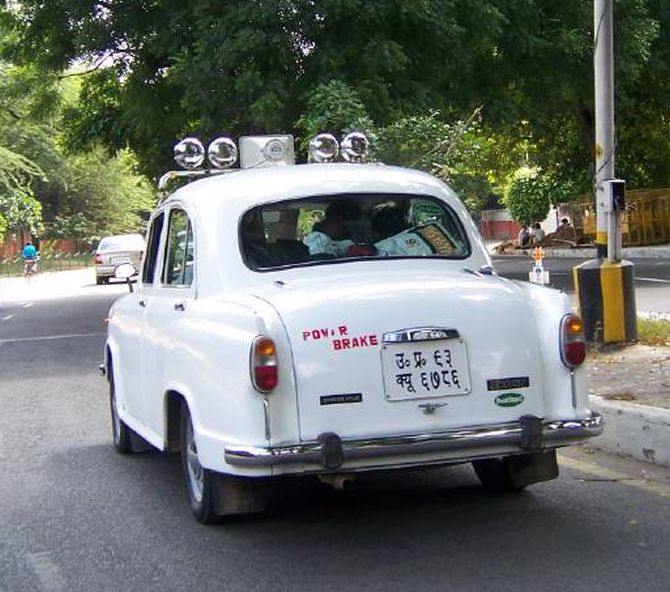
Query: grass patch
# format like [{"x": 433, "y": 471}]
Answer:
[{"x": 651, "y": 331}]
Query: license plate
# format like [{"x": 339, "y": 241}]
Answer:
[
  {"x": 119, "y": 260},
  {"x": 425, "y": 369}
]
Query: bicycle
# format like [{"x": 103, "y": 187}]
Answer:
[{"x": 30, "y": 269}]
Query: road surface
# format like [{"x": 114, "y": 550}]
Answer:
[{"x": 77, "y": 517}]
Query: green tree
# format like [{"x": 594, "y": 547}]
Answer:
[
  {"x": 104, "y": 195},
  {"x": 19, "y": 210},
  {"x": 162, "y": 69},
  {"x": 531, "y": 192},
  {"x": 333, "y": 107}
]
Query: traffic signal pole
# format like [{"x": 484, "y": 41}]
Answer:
[{"x": 605, "y": 285}]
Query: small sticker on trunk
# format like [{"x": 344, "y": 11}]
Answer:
[
  {"x": 341, "y": 398},
  {"x": 509, "y": 399},
  {"x": 503, "y": 384}
]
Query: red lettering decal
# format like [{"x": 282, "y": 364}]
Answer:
[
  {"x": 354, "y": 342},
  {"x": 316, "y": 334},
  {"x": 305, "y": 335},
  {"x": 373, "y": 340},
  {"x": 324, "y": 332},
  {"x": 342, "y": 330},
  {"x": 346, "y": 343},
  {"x": 337, "y": 344},
  {"x": 364, "y": 340}
]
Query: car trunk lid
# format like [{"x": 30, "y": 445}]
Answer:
[{"x": 408, "y": 352}]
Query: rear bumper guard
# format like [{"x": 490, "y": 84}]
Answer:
[{"x": 530, "y": 433}]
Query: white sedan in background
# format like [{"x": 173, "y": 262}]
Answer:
[
  {"x": 116, "y": 250},
  {"x": 331, "y": 318}
]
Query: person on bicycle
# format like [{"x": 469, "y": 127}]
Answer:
[{"x": 29, "y": 254}]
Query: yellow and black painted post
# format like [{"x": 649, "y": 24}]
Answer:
[
  {"x": 605, "y": 285},
  {"x": 607, "y": 300}
]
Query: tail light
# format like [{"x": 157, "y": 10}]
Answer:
[
  {"x": 573, "y": 344},
  {"x": 264, "y": 371},
  {"x": 98, "y": 259}
]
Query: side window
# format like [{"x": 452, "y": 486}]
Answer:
[
  {"x": 178, "y": 265},
  {"x": 151, "y": 258}
]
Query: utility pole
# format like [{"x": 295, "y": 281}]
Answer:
[
  {"x": 603, "y": 67},
  {"x": 605, "y": 285}
]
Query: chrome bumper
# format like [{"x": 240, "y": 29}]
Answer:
[{"x": 515, "y": 434}]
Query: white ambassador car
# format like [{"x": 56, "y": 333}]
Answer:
[{"x": 326, "y": 319}]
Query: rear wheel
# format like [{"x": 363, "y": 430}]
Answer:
[
  {"x": 121, "y": 433},
  {"x": 200, "y": 483}
]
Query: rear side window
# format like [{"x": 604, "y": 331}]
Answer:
[
  {"x": 178, "y": 266},
  {"x": 341, "y": 227},
  {"x": 152, "y": 250}
]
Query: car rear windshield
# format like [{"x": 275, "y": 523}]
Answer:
[
  {"x": 336, "y": 228},
  {"x": 122, "y": 243}
]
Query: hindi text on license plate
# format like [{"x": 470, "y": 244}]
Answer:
[{"x": 425, "y": 369}]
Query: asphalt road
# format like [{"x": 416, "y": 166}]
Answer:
[
  {"x": 75, "y": 516},
  {"x": 652, "y": 278}
]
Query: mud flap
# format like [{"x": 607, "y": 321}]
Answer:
[
  {"x": 240, "y": 496},
  {"x": 526, "y": 469}
]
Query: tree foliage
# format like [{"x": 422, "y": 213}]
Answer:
[
  {"x": 103, "y": 195},
  {"x": 158, "y": 70},
  {"x": 48, "y": 182},
  {"x": 531, "y": 192}
]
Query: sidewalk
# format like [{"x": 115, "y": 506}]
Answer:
[
  {"x": 630, "y": 386},
  {"x": 653, "y": 252}
]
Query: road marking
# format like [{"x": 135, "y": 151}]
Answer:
[
  {"x": 28, "y": 304},
  {"x": 47, "y": 571},
  {"x": 52, "y": 337},
  {"x": 7, "y": 317},
  {"x": 605, "y": 474},
  {"x": 648, "y": 279}
]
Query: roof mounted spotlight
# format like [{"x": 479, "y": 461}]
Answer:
[
  {"x": 189, "y": 153},
  {"x": 222, "y": 153},
  {"x": 323, "y": 148},
  {"x": 355, "y": 147}
]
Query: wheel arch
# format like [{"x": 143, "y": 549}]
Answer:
[{"x": 173, "y": 402}]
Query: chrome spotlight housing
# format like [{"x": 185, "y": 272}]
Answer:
[
  {"x": 323, "y": 148},
  {"x": 355, "y": 147},
  {"x": 222, "y": 153},
  {"x": 189, "y": 153}
]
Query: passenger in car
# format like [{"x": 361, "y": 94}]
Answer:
[{"x": 330, "y": 235}]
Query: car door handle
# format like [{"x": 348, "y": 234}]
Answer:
[
  {"x": 180, "y": 306},
  {"x": 142, "y": 303}
]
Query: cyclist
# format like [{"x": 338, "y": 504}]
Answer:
[{"x": 29, "y": 254}]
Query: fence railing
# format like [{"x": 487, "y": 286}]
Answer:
[{"x": 49, "y": 262}]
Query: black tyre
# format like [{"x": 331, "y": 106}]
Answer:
[
  {"x": 99, "y": 280},
  {"x": 200, "y": 483},
  {"x": 121, "y": 433}
]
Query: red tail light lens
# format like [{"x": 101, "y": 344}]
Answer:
[
  {"x": 98, "y": 259},
  {"x": 264, "y": 372},
  {"x": 573, "y": 344}
]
